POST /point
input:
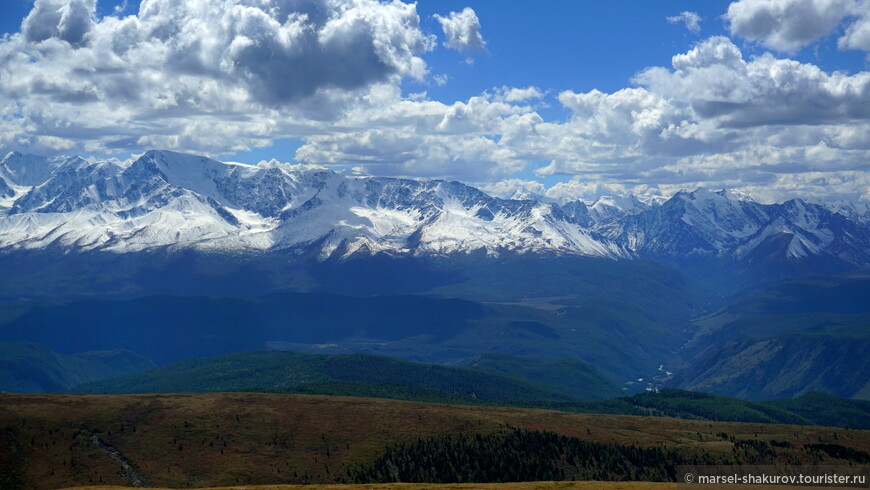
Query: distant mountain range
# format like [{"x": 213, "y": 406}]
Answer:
[
  {"x": 178, "y": 256},
  {"x": 490, "y": 379},
  {"x": 171, "y": 199}
]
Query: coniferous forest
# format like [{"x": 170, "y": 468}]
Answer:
[{"x": 515, "y": 454}]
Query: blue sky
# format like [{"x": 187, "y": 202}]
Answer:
[{"x": 569, "y": 99}]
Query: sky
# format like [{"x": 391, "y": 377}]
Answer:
[{"x": 561, "y": 98}]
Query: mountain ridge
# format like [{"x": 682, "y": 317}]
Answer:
[{"x": 165, "y": 198}]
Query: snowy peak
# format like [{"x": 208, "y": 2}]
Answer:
[
  {"x": 6, "y": 189},
  {"x": 31, "y": 170},
  {"x": 166, "y": 198},
  {"x": 607, "y": 207},
  {"x": 705, "y": 223},
  {"x": 852, "y": 211},
  {"x": 524, "y": 195},
  {"x": 735, "y": 195},
  {"x": 720, "y": 217}
]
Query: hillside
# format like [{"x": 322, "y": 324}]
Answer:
[
  {"x": 793, "y": 338},
  {"x": 520, "y": 382},
  {"x": 618, "y": 338},
  {"x": 288, "y": 370},
  {"x": 789, "y": 306},
  {"x": 825, "y": 409},
  {"x": 34, "y": 368},
  {"x": 812, "y": 409},
  {"x": 578, "y": 379},
  {"x": 578, "y": 485},
  {"x": 784, "y": 366},
  {"x": 232, "y": 439}
]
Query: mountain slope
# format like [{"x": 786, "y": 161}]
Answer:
[
  {"x": 279, "y": 369},
  {"x": 824, "y": 409},
  {"x": 619, "y": 339},
  {"x": 382, "y": 377},
  {"x": 612, "y": 283},
  {"x": 784, "y": 366},
  {"x": 167, "y": 198},
  {"x": 579, "y": 379},
  {"x": 790, "y": 339},
  {"x": 34, "y": 368},
  {"x": 171, "y": 199},
  {"x": 733, "y": 242}
]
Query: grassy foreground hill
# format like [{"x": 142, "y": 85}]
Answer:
[
  {"x": 541, "y": 485},
  {"x": 242, "y": 438}
]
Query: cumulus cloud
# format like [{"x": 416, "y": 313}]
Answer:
[
  {"x": 69, "y": 20},
  {"x": 857, "y": 35},
  {"x": 718, "y": 83},
  {"x": 509, "y": 188},
  {"x": 175, "y": 68},
  {"x": 512, "y": 94},
  {"x": 712, "y": 119},
  {"x": 691, "y": 20},
  {"x": 462, "y": 30},
  {"x": 718, "y": 120},
  {"x": 788, "y": 25},
  {"x": 471, "y": 140}
]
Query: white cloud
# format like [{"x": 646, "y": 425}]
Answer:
[
  {"x": 857, "y": 35},
  {"x": 121, "y": 7},
  {"x": 385, "y": 152},
  {"x": 462, "y": 30},
  {"x": 212, "y": 76},
  {"x": 691, "y": 20},
  {"x": 788, "y": 25},
  {"x": 425, "y": 138},
  {"x": 521, "y": 94},
  {"x": 713, "y": 119},
  {"x": 715, "y": 81},
  {"x": 69, "y": 20},
  {"x": 579, "y": 188},
  {"x": 507, "y": 188},
  {"x": 718, "y": 120},
  {"x": 440, "y": 80},
  {"x": 189, "y": 74}
]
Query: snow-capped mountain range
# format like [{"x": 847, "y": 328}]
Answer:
[{"x": 171, "y": 199}]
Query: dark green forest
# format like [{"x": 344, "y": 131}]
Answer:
[
  {"x": 514, "y": 454},
  {"x": 520, "y": 455}
]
